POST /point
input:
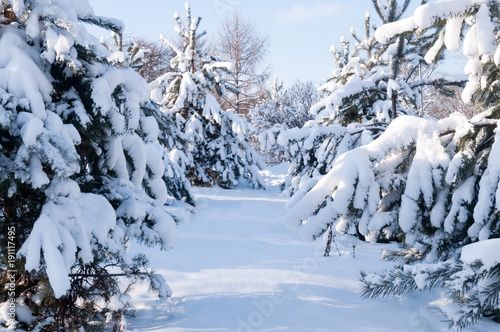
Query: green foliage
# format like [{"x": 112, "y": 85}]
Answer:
[{"x": 406, "y": 279}]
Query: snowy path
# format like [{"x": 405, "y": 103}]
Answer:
[{"x": 236, "y": 267}]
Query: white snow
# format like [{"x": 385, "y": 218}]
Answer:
[
  {"x": 482, "y": 251},
  {"x": 387, "y": 31},
  {"x": 427, "y": 14},
  {"x": 452, "y": 34},
  {"x": 470, "y": 42},
  {"x": 486, "y": 42},
  {"x": 237, "y": 267},
  {"x": 150, "y": 128},
  {"x": 31, "y": 130},
  {"x": 489, "y": 193},
  {"x": 20, "y": 73},
  {"x": 434, "y": 50},
  {"x": 98, "y": 215}
]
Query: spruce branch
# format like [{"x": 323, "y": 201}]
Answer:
[
  {"x": 403, "y": 280},
  {"x": 105, "y": 23}
]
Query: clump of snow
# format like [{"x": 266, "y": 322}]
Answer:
[
  {"x": 486, "y": 42},
  {"x": 452, "y": 33},
  {"x": 489, "y": 194},
  {"x": 427, "y": 14},
  {"x": 430, "y": 56},
  {"x": 384, "y": 33},
  {"x": 481, "y": 252},
  {"x": 20, "y": 73},
  {"x": 64, "y": 230},
  {"x": 479, "y": 42}
]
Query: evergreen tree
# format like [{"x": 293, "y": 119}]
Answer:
[
  {"x": 166, "y": 131},
  {"x": 217, "y": 149},
  {"x": 127, "y": 53},
  {"x": 282, "y": 109},
  {"x": 372, "y": 84},
  {"x": 149, "y": 59},
  {"x": 432, "y": 185},
  {"x": 467, "y": 226},
  {"x": 82, "y": 172},
  {"x": 279, "y": 111},
  {"x": 377, "y": 80}
]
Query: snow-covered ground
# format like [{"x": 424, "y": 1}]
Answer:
[{"x": 236, "y": 267}]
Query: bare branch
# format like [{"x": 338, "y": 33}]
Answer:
[
  {"x": 239, "y": 40},
  {"x": 156, "y": 61}
]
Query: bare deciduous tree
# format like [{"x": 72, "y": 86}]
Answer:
[
  {"x": 149, "y": 59},
  {"x": 156, "y": 60},
  {"x": 304, "y": 94},
  {"x": 239, "y": 41},
  {"x": 440, "y": 106}
]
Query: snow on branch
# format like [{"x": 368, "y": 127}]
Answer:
[
  {"x": 364, "y": 178},
  {"x": 107, "y": 23}
]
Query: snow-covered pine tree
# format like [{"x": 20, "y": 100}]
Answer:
[
  {"x": 132, "y": 55},
  {"x": 81, "y": 174},
  {"x": 373, "y": 82},
  {"x": 433, "y": 185},
  {"x": 279, "y": 108},
  {"x": 150, "y": 59},
  {"x": 278, "y": 111},
  {"x": 218, "y": 151},
  {"x": 304, "y": 94},
  {"x": 167, "y": 133},
  {"x": 466, "y": 220}
]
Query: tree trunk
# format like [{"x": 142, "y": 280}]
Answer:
[{"x": 394, "y": 105}]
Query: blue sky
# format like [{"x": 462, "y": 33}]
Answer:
[{"x": 301, "y": 31}]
